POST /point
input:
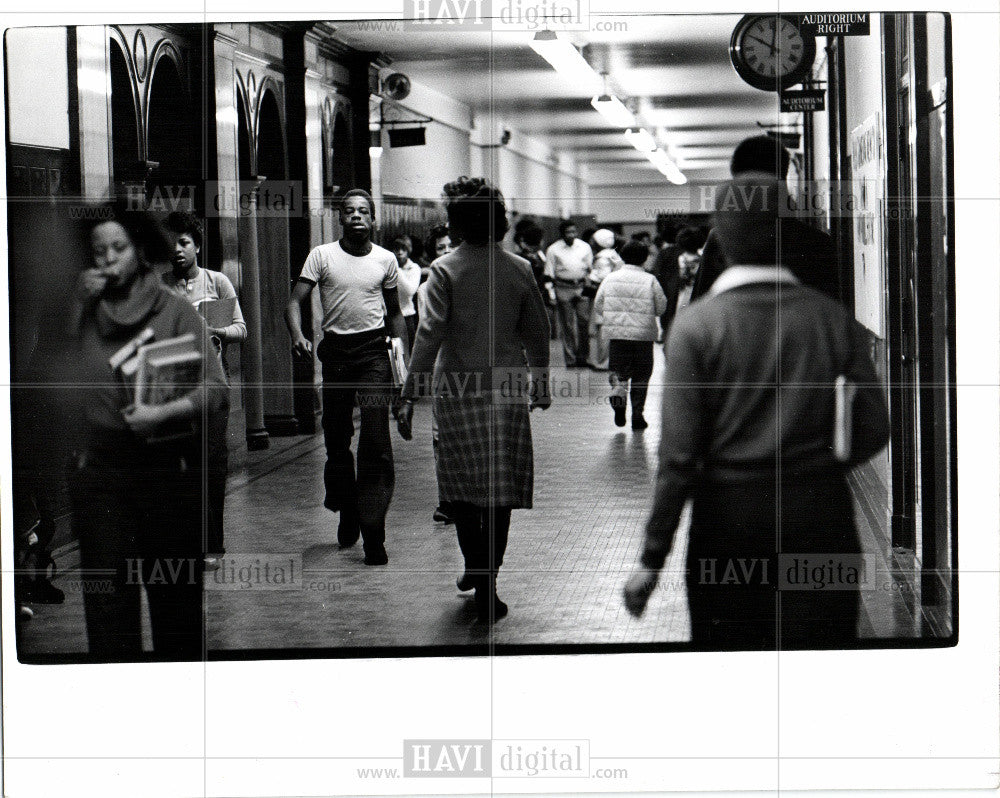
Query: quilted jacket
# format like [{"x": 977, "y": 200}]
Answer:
[{"x": 628, "y": 304}]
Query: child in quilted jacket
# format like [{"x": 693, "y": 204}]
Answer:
[{"x": 627, "y": 305}]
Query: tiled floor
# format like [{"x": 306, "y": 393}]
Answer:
[{"x": 565, "y": 566}]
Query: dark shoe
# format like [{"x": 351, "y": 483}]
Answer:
[
  {"x": 376, "y": 556},
  {"x": 490, "y": 609},
  {"x": 348, "y": 531},
  {"x": 42, "y": 591},
  {"x": 442, "y": 515},
  {"x": 465, "y": 582},
  {"x": 618, "y": 405},
  {"x": 638, "y": 422}
]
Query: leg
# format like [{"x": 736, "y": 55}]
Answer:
[
  {"x": 376, "y": 471},
  {"x": 218, "y": 468},
  {"x": 468, "y": 528},
  {"x": 566, "y": 318},
  {"x": 495, "y": 523},
  {"x": 583, "y": 329},
  {"x": 170, "y": 543},
  {"x": 618, "y": 362},
  {"x": 104, "y": 523},
  {"x": 642, "y": 363},
  {"x": 338, "y": 429}
]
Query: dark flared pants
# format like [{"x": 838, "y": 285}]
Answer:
[{"x": 356, "y": 370}]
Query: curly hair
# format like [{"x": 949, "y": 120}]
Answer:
[
  {"x": 476, "y": 209},
  {"x": 181, "y": 222}
]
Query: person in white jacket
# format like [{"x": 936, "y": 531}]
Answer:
[{"x": 627, "y": 305}]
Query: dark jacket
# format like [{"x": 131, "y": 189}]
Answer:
[{"x": 748, "y": 385}]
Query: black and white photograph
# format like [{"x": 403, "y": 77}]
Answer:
[{"x": 403, "y": 359}]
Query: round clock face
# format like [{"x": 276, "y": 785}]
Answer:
[{"x": 770, "y": 52}]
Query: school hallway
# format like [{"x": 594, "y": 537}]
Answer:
[{"x": 562, "y": 577}]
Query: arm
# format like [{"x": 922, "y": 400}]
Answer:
[
  {"x": 293, "y": 317},
  {"x": 713, "y": 263},
  {"x": 397, "y": 324},
  {"x": 435, "y": 311},
  {"x": 659, "y": 299},
  {"x": 236, "y": 330},
  {"x": 870, "y": 418},
  {"x": 533, "y": 332},
  {"x": 681, "y": 448},
  {"x": 549, "y": 271}
]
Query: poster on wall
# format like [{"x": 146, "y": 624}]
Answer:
[{"x": 868, "y": 195}]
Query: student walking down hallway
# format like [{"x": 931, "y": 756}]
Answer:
[{"x": 358, "y": 288}]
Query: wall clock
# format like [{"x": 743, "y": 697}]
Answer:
[{"x": 770, "y": 52}]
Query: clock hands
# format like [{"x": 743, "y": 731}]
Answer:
[{"x": 772, "y": 47}]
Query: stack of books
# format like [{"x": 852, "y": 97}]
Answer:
[{"x": 157, "y": 372}]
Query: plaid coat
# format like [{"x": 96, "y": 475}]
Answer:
[
  {"x": 484, "y": 451},
  {"x": 482, "y": 324}
]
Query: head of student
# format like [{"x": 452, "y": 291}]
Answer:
[
  {"x": 604, "y": 238},
  {"x": 531, "y": 237},
  {"x": 186, "y": 233},
  {"x": 746, "y": 219},
  {"x": 438, "y": 242},
  {"x": 635, "y": 252},
  {"x": 357, "y": 213},
  {"x": 567, "y": 230},
  {"x": 476, "y": 210},
  {"x": 690, "y": 239},
  {"x": 761, "y": 154},
  {"x": 122, "y": 244},
  {"x": 402, "y": 246}
]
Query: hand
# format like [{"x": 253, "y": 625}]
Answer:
[
  {"x": 638, "y": 589},
  {"x": 540, "y": 395},
  {"x": 540, "y": 402},
  {"x": 302, "y": 346},
  {"x": 90, "y": 283},
  {"x": 404, "y": 421},
  {"x": 143, "y": 420},
  {"x": 216, "y": 332}
]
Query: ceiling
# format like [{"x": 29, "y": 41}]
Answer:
[{"x": 674, "y": 68}]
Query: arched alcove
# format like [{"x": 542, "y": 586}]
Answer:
[
  {"x": 342, "y": 156},
  {"x": 124, "y": 123},
  {"x": 172, "y": 134}
]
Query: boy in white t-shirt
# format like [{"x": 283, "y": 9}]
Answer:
[{"x": 358, "y": 290}]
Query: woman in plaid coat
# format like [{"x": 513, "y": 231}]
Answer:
[{"x": 485, "y": 328}]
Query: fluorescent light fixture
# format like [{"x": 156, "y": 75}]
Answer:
[
  {"x": 614, "y": 110},
  {"x": 641, "y": 139},
  {"x": 564, "y": 58},
  {"x": 666, "y": 166}
]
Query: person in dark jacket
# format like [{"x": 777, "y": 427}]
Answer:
[
  {"x": 749, "y": 414},
  {"x": 809, "y": 253},
  {"x": 136, "y": 491}
]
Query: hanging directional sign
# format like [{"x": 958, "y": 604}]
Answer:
[
  {"x": 838, "y": 23},
  {"x": 804, "y": 100}
]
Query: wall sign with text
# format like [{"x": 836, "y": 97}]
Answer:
[
  {"x": 839, "y": 23},
  {"x": 808, "y": 100}
]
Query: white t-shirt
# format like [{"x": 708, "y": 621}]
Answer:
[
  {"x": 569, "y": 263},
  {"x": 350, "y": 288},
  {"x": 409, "y": 281}
]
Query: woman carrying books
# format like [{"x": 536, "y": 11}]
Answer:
[
  {"x": 136, "y": 489},
  {"x": 212, "y": 293}
]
